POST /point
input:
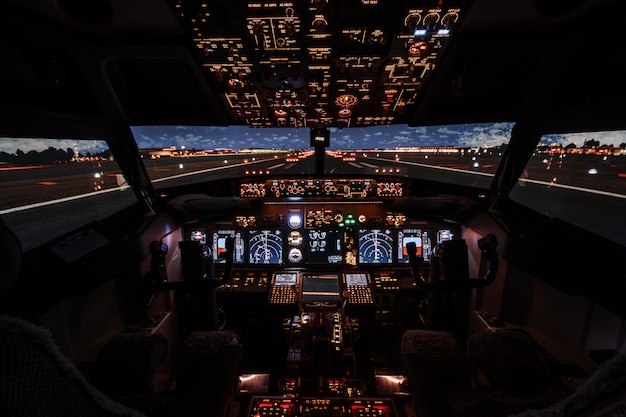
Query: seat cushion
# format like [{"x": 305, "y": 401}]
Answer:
[
  {"x": 208, "y": 371},
  {"x": 510, "y": 362},
  {"x": 36, "y": 377},
  {"x": 127, "y": 363},
  {"x": 444, "y": 355}
]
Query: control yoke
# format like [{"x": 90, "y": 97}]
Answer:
[
  {"x": 198, "y": 269},
  {"x": 157, "y": 274},
  {"x": 449, "y": 267}
]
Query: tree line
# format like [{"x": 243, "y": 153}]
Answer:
[{"x": 49, "y": 156}]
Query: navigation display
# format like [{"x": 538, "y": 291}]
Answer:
[
  {"x": 266, "y": 247},
  {"x": 375, "y": 246},
  {"x": 323, "y": 246}
]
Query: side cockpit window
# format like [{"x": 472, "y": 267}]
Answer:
[
  {"x": 579, "y": 178},
  {"x": 51, "y": 186}
]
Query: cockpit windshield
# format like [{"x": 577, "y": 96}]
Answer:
[
  {"x": 465, "y": 154},
  {"x": 569, "y": 176}
]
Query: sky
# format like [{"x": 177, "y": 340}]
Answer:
[{"x": 377, "y": 137}]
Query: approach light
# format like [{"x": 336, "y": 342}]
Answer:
[
  {"x": 181, "y": 166},
  {"x": 592, "y": 171},
  {"x": 476, "y": 164}
]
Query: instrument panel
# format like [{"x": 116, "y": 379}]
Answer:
[
  {"x": 298, "y": 64},
  {"x": 342, "y": 188},
  {"x": 322, "y": 234}
]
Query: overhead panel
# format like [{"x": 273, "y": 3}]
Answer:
[{"x": 293, "y": 63}]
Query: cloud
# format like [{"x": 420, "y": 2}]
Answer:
[
  {"x": 11, "y": 145},
  {"x": 388, "y": 136},
  {"x": 614, "y": 138}
]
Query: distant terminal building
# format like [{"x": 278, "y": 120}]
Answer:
[
  {"x": 263, "y": 150},
  {"x": 172, "y": 151}
]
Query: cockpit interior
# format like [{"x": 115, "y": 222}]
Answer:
[{"x": 337, "y": 208}]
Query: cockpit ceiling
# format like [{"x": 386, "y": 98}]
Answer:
[
  {"x": 295, "y": 64},
  {"x": 370, "y": 62},
  {"x": 341, "y": 63}
]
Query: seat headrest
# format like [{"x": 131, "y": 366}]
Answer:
[{"x": 10, "y": 259}]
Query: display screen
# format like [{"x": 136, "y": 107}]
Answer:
[
  {"x": 266, "y": 247},
  {"x": 219, "y": 245},
  {"x": 356, "y": 280},
  {"x": 322, "y": 287},
  {"x": 421, "y": 239},
  {"x": 323, "y": 246},
  {"x": 376, "y": 246},
  {"x": 285, "y": 279}
]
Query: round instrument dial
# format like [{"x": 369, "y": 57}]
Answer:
[
  {"x": 418, "y": 49},
  {"x": 294, "y": 221},
  {"x": 294, "y": 238},
  {"x": 430, "y": 20},
  {"x": 346, "y": 101},
  {"x": 450, "y": 19},
  {"x": 236, "y": 84},
  {"x": 295, "y": 255}
]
